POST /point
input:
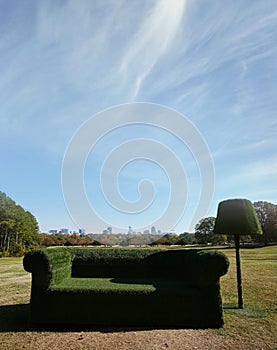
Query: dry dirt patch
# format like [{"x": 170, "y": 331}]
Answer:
[{"x": 125, "y": 340}]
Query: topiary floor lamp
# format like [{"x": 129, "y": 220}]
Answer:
[{"x": 237, "y": 217}]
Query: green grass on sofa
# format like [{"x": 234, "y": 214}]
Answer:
[
  {"x": 128, "y": 286},
  {"x": 103, "y": 285}
]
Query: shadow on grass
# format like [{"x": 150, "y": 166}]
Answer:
[{"x": 247, "y": 311}]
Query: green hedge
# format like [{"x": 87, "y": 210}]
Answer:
[{"x": 130, "y": 286}]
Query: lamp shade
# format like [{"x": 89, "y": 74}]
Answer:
[{"x": 237, "y": 217}]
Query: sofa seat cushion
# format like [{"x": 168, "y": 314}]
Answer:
[
  {"x": 101, "y": 285},
  {"x": 123, "y": 286}
]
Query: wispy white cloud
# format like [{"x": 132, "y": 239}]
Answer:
[
  {"x": 152, "y": 40},
  {"x": 224, "y": 36},
  {"x": 245, "y": 148},
  {"x": 253, "y": 174},
  {"x": 120, "y": 51}
]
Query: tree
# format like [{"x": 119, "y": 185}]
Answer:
[
  {"x": 267, "y": 215},
  {"x": 186, "y": 238},
  {"x": 6, "y": 227},
  {"x": 204, "y": 232},
  {"x": 18, "y": 228}
]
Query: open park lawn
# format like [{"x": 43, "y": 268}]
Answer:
[{"x": 254, "y": 327}]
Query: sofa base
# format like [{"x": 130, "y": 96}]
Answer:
[{"x": 128, "y": 310}]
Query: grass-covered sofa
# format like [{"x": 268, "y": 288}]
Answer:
[{"x": 126, "y": 287}]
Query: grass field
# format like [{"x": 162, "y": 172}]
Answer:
[{"x": 254, "y": 327}]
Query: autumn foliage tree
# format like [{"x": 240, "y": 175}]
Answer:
[{"x": 60, "y": 239}]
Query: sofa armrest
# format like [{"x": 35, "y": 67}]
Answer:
[
  {"x": 211, "y": 266},
  {"x": 48, "y": 266}
]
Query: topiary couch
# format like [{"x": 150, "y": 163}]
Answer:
[{"x": 126, "y": 286}]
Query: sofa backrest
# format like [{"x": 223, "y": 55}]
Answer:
[
  {"x": 110, "y": 262},
  {"x": 194, "y": 266}
]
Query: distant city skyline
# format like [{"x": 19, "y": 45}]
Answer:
[
  {"x": 108, "y": 230},
  {"x": 66, "y": 231}
]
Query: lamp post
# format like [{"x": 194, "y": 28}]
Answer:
[{"x": 237, "y": 217}]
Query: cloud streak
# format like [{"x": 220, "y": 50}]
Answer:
[{"x": 153, "y": 39}]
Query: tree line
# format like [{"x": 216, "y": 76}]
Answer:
[
  {"x": 19, "y": 232},
  {"x": 124, "y": 239},
  {"x": 59, "y": 239},
  {"x": 267, "y": 215}
]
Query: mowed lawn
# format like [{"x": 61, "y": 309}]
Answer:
[{"x": 254, "y": 327}]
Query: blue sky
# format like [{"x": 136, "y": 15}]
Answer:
[{"x": 61, "y": 62}]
